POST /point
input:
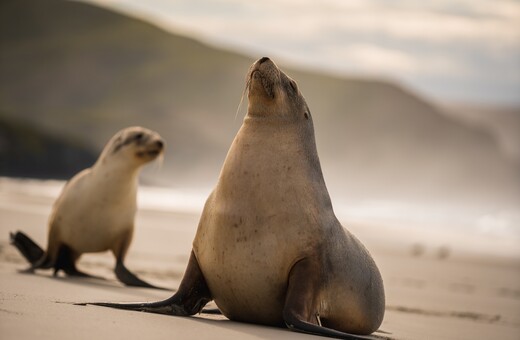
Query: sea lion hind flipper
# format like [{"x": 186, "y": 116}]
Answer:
[
  {"x": 130, "y": 279},
  {"x": 192, "y": 296},
  {"x": 27, "y": 247},
  {"x": 300, "y": 309}
]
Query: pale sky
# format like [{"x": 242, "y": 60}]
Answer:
[{"x": 446, "y": 50}]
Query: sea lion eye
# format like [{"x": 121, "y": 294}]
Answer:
[
  {"x": 139, "y": 136},
  {"x": 118, "y": 143},
  {"x": 306, "y": 115}
]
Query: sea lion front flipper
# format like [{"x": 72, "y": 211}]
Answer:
[
  {"x": 66, "y": 261},
  {"x": 300, "y": 311},
  {"x": 130, "y": 279},
  {"x": 123, "y": 274},
  {"x": 192, "y": 296},
  {"x": 29, "y": 249}
]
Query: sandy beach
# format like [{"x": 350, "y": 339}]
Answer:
[{"x": 429, "y": 295}]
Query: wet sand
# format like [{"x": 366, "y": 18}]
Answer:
[{"x": 431, "y": 294}]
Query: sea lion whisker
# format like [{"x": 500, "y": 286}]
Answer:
[
  {"x": 246, "y": 88},
  {"x": 160, "y": 160}
]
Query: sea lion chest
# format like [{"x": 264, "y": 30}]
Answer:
[
  {"x": 91, "y": 213},
  {"x": 246, "y": 260}
]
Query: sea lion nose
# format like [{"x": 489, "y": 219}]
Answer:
[
  {"x": 160, "y": 144},
  {"x": 262, "y": 60}
]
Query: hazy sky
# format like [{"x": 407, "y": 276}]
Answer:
[{"x": 450, "y": 50}]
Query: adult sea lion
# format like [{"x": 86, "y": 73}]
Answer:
[
  {"x": 95, "y": 211},
  {"x": 268, "y": 248}
]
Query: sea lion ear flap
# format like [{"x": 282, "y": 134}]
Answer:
[
  {"x": 307, "y": 112},
  {"x": 293, "y": 85}
]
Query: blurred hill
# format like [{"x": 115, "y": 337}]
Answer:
[
  {"x": 27, "y": 152},
  {"x": 72, "y": 68},
  {"x": 501, "y": 122}
]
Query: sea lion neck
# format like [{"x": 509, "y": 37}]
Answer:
[
  {"x": 277, "y": 156},
  {"x": 120, "y": 168}
]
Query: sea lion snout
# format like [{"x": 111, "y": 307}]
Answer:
[
  {"x": 159, "y": 144},
  {"x": 273, "y": 94},
  {"x": 267, "y": 67},
  {"x": 156, "y": 147},
  {"x": 263, "y": 80},
  {"x": 263, "y": 59},
  {"x": 153, "y": 148}
]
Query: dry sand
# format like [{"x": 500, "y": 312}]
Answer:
[{"x": 427, "y": 297}]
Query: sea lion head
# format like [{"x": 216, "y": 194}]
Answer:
[
  {"x": 136, "y": 145},
  {"x": 273, "y": 94}
]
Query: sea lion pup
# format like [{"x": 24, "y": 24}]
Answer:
[
  {"x": 269, "y": 249},
  {"x": 96, "y": 209}
]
